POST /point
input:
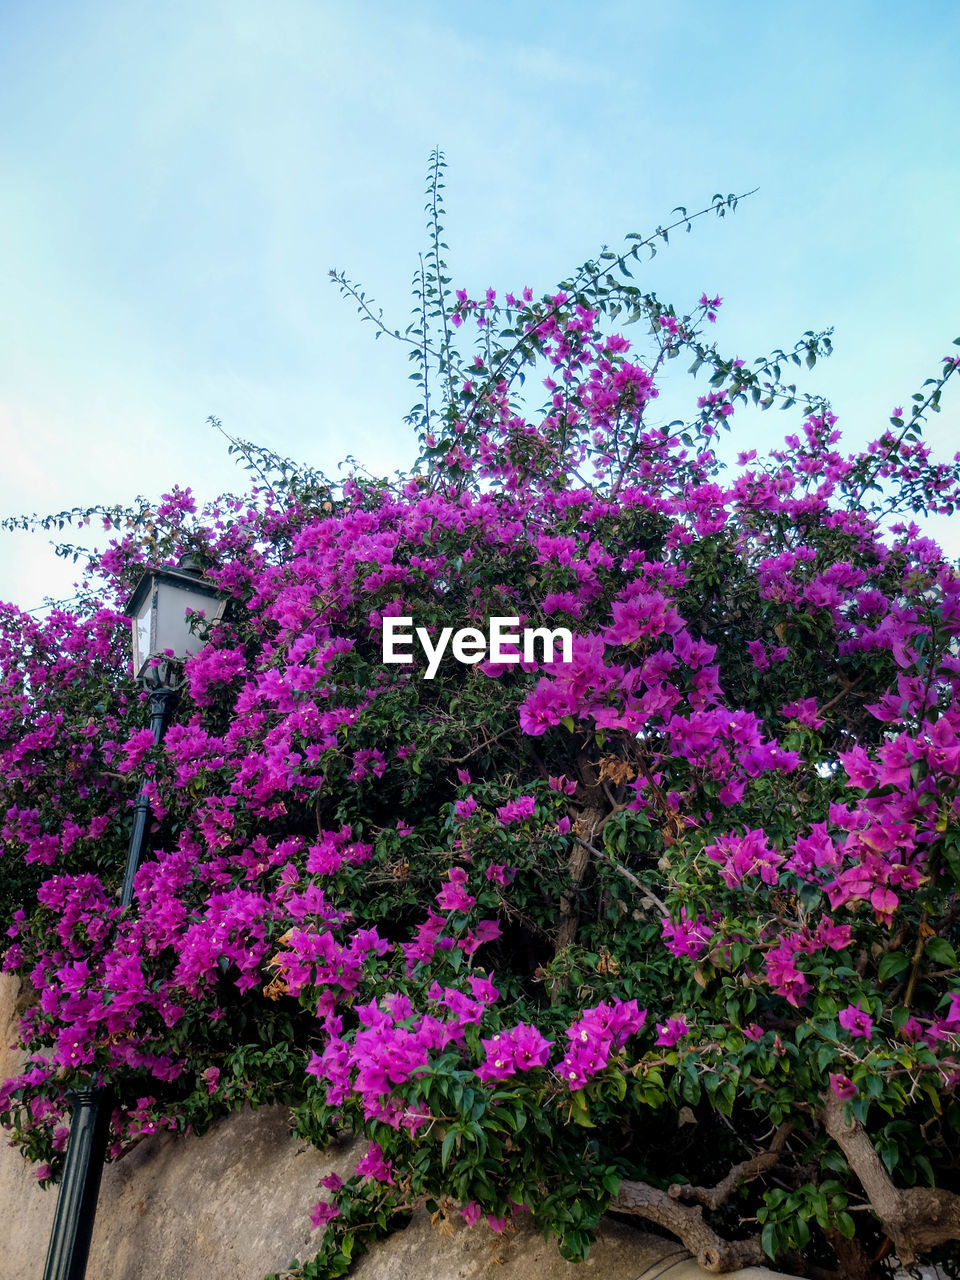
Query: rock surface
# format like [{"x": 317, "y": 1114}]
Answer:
[{"x": 233, "y": 1205}]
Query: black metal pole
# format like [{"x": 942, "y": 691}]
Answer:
[
  {"x": 162, "y": 704},
  {"x": 77, "y": 1200},
  {"x": 72, "y": 1228}
]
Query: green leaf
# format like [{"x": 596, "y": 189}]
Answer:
[
  {"x": 892, "y": 964},
  {"x": 845, "y": 1225},
  {"x": 940, "y": 951},
  {"x": 447, "y": 1148},
  {"x": 768, "y": 1240},
  {"x": 580, "y": 1113}
]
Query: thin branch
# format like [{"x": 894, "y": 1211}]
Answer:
[
  {"x": 435, "y": 211},
  {"x": 483, "y": 745},
  {"x": 426, "y": 346},
  {"x": 347, "y": 286},
  {"x": 827, "y": 706},
  {"x": 619, "y": 262},
  {"x": 627, "y": 875},
  {"x": 242, "y": 449},
  {"x": 916, "y": 416}
]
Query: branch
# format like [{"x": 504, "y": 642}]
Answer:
[
  {"x": 917, "y": 1218},
  {"x": 637, "y": 883},
  {"x": 916, "y": 416},
  {"x": 712, "y": 1252},
  {"x": 488, "y": 742},
  {"x": 745, "y": 1171},
  {"x": 242, "y": 448},
  {"x": 593, "y": 277}
]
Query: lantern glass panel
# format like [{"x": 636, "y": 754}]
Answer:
[
  {"x": 172, "y": 625},
  {"x": 142, "y": 627}
]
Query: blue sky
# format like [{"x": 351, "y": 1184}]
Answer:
[{"x": 177, "y": 180}]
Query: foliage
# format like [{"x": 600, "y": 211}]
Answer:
[{"x": 543, "y": 933}]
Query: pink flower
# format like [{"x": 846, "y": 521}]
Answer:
[
  {"x": 884, "y": 902},
  {"x": 784, "y": 976},
  {"x": 856, "y": 1022},
  {"x": 567, "y": 785},
  {"x": 373, "y": 1165},
  {"x": 500, "y": 874},
  {"x": 804, "y": 710},
  {"x": 453, "y": 896},
  {"x": 462, "y": 809},
  {"x": 911, "y": 1031},
  {"x": 520, "y": 1049},
  {"x": 842, "y": 1087},
  {"x": 687, "y": 937},
  {"x": 746, "y": 855},
  {"x": 517, "y": 810},
  {"x": 470, "y": 1212},
  {"x": 671, "y": 1031},
  {"x": 323, "y": 1212}
]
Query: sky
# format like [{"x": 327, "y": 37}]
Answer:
[{"x": 177, "y": 181}]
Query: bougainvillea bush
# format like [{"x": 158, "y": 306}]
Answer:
[{"x": 668, "y": 929}]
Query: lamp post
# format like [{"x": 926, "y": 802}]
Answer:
[{"x": 162, "y": 638}]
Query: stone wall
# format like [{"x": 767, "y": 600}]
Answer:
[{"x": 233, "y": 1204}]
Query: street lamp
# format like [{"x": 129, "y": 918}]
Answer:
[{"x": 161, "y": 609}]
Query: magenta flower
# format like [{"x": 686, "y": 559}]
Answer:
[
  {"x": 686, "y": 937},
  {"x": 805, "y": 711},
  {"x": 911, "y": 1031},
  {"x": 842, "y": 1086},
  {"x": 856, "y": 1022},
  {"x": 596, "y": 1037},
  {"x": 462, "y": 809},
  {"x": 373, "y": 1164},
  {"x": 784, "y": 976},
  {"x": 669, "y": 1032},
  {"x": 473, "y": 939},
  {"x": 517, "y": 810},
  {"x": 500, "y": 874},
  {"x": 322, "y": 1212},
  {"x": 453, "y": 896},
  {"x": 520, "y": 1049}
]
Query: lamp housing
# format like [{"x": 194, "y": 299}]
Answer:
[{"x": 161, "y": 608}]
